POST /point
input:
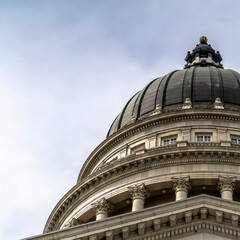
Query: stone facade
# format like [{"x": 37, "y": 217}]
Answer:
[{"x": 169, "y": 175}]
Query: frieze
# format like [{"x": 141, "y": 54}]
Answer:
[
  {"x": 122, "y": 134},
  {"x": 129, "y": 167}
]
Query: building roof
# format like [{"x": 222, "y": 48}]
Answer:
[{"x": 202, "y": 81}]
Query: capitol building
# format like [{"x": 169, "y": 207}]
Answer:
[{"x": 169, "y": 167}]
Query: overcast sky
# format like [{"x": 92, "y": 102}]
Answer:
[{"x": 66, "y": 70}]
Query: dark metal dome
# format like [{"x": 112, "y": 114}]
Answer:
[{"x": 202, "y": 81}]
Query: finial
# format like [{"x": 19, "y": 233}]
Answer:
[
  {"x": 203, "y": 39},
  {"x": 157, "y": 110},
  {"x": 203, "y": 55},
  {"x": 218, "y": 104},
  {"x": 187, "y": 104}
]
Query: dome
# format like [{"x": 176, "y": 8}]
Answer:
[
  {"x": 170, "y": 166},
  {"x": 202, "y": 81}
]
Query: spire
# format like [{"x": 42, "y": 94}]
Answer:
[{"x": 203, "y": 54}]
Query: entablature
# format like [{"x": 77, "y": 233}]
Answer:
[
  {"x": 197, "y": 153},
  {"x": 220, "y": 120},
  {"x": 173, "y": 220}
]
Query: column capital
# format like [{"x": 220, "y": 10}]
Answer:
[
  {"x": 139, "y": 191},
  {"x": 74, "y": 222},
  {"x": 102, "y": 206},
  {"x": 181, "y": 184},
  {"x": 226, "y": 183}
]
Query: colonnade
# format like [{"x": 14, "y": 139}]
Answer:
[{"x": 181, "y": 186}]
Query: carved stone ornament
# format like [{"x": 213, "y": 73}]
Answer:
[
  {"x": 73, "y": 222},
  {"x": 132, "y": 120},
  {"x": 139, "y": 191},
  {"x": 102, "y": 206},
  {"x": 226, "y": 183},
  {"x": 181, "y": 184},
  {"x": 187, "y": 104},
  {"x": 157, "y": 110},
  {"x": 218, "y": 104}
]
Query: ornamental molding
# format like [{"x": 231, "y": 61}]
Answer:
[
  {"x": 218, "y": 104},
  {"x": 191, "y": 216},
  {"x": 152, "y": 121},
  {"x": 187, "y": 104},
  {"x": 226, "y": 183},
  {"x": 74, "y": 222},
  {"x": 139, "y": 191},
  {"x": 153, "y": 158},
  {"x": 157, "y": 110},
  {"x": 181, "y": 184},
  {"x": 102, "y": 206}
]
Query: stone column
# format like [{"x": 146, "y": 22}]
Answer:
[
  {"x": 138, "y": 194},
  {"x": 102, "y": 208},
  {"x": 226, "y": 186},
  {"x": 181, "y": 186}
]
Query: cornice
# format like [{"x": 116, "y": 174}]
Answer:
[
  {"x": 153, "y": 121},
  {"x": 194, "y": 153},
  {"x": 193, "y": 215}
]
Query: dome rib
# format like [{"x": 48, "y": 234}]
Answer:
[
  {"x": 111, "y": 130},
  {"x": 174, "y": 88},
  {"x": 221, "y": 83},
  {"x": 202, "y": 84},
  {"x": 161, "y": 89},
  {"x": 123, "y": 112},
  {"x": 216, "y": 84},
  {"x": 228, "y": 87},
  {"x": 138, "y": 103},
  {"x": 235, "y": 75},
  {"x": 127, "y": 114},
  {"x": 212, "y": 84},
  {"x": 231, "y": 87},
  {"x": 149, "y": 98},
  {"x": 187, "y": 86},
  {"x": 183, "y": 84},
  {"x": 165, "y": 88}
]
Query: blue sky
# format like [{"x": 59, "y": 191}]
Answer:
[{"x": 66, "y": 70}]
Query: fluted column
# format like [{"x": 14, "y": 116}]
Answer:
[
  {"x": 138, "y": 194},
  {"x": 226, "y": 186},
  {"x": 181, "y": 187},
  {"x": 102, "y": 208}
]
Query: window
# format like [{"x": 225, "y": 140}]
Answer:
[
  {"x": 203, "y": 138},
  {"x": 139, "y": 149},
  {"x": 235, "y": 139},
  {"x": 169, "y": 141}
]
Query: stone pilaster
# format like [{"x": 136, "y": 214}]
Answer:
[
  {"x": 138, "y": 194},
  {"x": 102, "y": 208},
  {"x": 226, "y": 186},
  {"x": 181, "y": 187}
]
